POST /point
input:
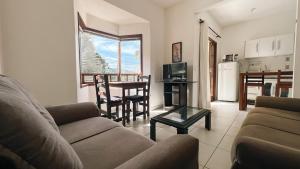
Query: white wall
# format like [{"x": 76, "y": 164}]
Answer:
[
  {"x": 155, "y": 15},
  {"x": 39, "y": 48},
  {"x": 182, "y": 25},
  {"x": 296, "y": 92},
  {"x": 100, "y": 24},
  {"x": 234, "y": 37}
]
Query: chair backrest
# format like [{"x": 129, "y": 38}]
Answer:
[
  {"x": 284, "y": 77},
  {"x": 145, "y": 79},
  {"x": 255, "y": 80},
  {"x": 102, "y": 88},
  {"x": 97, "y": 86}
]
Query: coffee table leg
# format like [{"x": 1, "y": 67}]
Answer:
[
  {"x": 208, "y": 121},
  {"x": 182, "y": 131},
  {"x": 153, "y": 130}
]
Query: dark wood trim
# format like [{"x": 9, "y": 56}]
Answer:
[
  {"x": 213, "y": 97},
  {"x": 142, "y": 53},
  {"x": 119, "y": 61},
  {"x": 82, "y": 27},
  {"x": 84, "y": 83}
]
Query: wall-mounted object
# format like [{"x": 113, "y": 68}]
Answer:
[
  {"x": 177, "y": 52},
  {"x": 270, "y": 46}
]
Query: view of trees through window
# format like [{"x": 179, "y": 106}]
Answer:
[{"x": 99, "y": 54}]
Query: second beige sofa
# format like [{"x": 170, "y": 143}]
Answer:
[{"x": 270, "y": 136}]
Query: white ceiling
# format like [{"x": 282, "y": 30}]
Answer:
[
  {"x": 166, "y": 3},
  {"x": 106, "y": 11},
  {"x": 230, "y": 12}
]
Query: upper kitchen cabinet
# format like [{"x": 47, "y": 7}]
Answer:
[
  {"x": 267, "y": 47},
  {"x": 251, "y": 49},
  {"x": 285, "y": 45},
  {"x": 271, "y": 46}
]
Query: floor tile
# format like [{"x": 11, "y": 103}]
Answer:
[
  {"x": 205, "y": 152},
  {"x": 200, "y": 166},
  {"x": 219, "y": 160},
  {"x": 226, "y": 143},
  {"x": 208, "y": 137},
  {"x": 233, "y": 131}
]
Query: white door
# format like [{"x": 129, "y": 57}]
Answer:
[
  {"x": 267, "y": 47},
  {"x": 285, "y": 45},
  {"x": 251, "y": 49}
]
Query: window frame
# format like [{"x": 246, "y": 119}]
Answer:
[{"x": 83, "y": 28}]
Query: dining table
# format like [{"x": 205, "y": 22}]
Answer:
[
  {"x": 126, "y": 85},
  {"x": 242, "y": 84}
]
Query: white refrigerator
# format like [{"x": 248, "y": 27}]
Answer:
[{"x": 228, "y": 75}]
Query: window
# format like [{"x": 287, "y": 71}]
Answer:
[
  {"x": 98, "y": 54},
  {"x": 103, "y": 53},
  {"x": 131, "y": 57}
]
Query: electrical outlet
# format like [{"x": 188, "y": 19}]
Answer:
[
  {"x": 287, "y": 59},
  {"x": 287, "y": 67}
]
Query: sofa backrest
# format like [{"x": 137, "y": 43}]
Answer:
[
  {"x": 290, "y": 104},
  {"x": 29, "y": 136}
]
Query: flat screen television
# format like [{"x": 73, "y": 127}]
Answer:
[{"x": 175, "y": 71}]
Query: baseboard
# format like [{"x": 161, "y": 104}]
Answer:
[{"x": 156, "y": 107}]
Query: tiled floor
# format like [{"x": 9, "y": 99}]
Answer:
[{"x": 214, "y": 145}]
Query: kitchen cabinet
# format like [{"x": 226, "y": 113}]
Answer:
[
  {"x": 251, "y": 49},
  {"x": 267, "y": 47},
  {"x": 285, "y": 45},
  {"x": 270, "y": 46}
]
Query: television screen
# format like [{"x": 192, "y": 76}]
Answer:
[
  {"x": 179, "y": 69},
  {"x": 175, "y": 71}
]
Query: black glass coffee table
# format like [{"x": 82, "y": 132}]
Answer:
[{"x": 181, "y": 118}]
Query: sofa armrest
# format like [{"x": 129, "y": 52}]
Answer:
[
  {"x": 73, "y": 112},
  {"x": 177, "y": 152},
  {"x": 290, "y": 104},
  {"x": 253, "y": 153}
]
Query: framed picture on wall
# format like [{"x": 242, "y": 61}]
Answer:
[{"x": 177, "y": 52}]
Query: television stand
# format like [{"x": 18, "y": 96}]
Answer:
[{"x": 181, "y": 92}]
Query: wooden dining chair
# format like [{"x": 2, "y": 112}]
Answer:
[
  {"x": 103, "y": 96},
  {"x": 138, "y": 99},
  {"x": 255, "y": 81},
  {"x": 284, "y": 83},
  {"x": 100, "y": 100}
]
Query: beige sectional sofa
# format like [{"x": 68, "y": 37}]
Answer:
[
  {"x": 75, "y": 137},
  {"x": 270, "y": 136}
]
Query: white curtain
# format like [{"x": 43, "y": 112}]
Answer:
[{"x": 204, "y": 80}]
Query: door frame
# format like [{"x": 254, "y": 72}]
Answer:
[{"x": 210, "y": 40}]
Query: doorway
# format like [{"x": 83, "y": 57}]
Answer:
[{"x": 212, "y": 52}]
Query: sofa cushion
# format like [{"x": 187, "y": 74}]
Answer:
[
  {"x": 27, "y": 138},
  {"x": 111, "y": 148},
  {"x": 271, "y": 135},
  {"x": 259, "y": 147},
  {"x": 277, "y": 112},
  {"x": 12, "y": 85},
  {"x": 274, "y": 122},
  {"x": 86, "y": 128}
]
